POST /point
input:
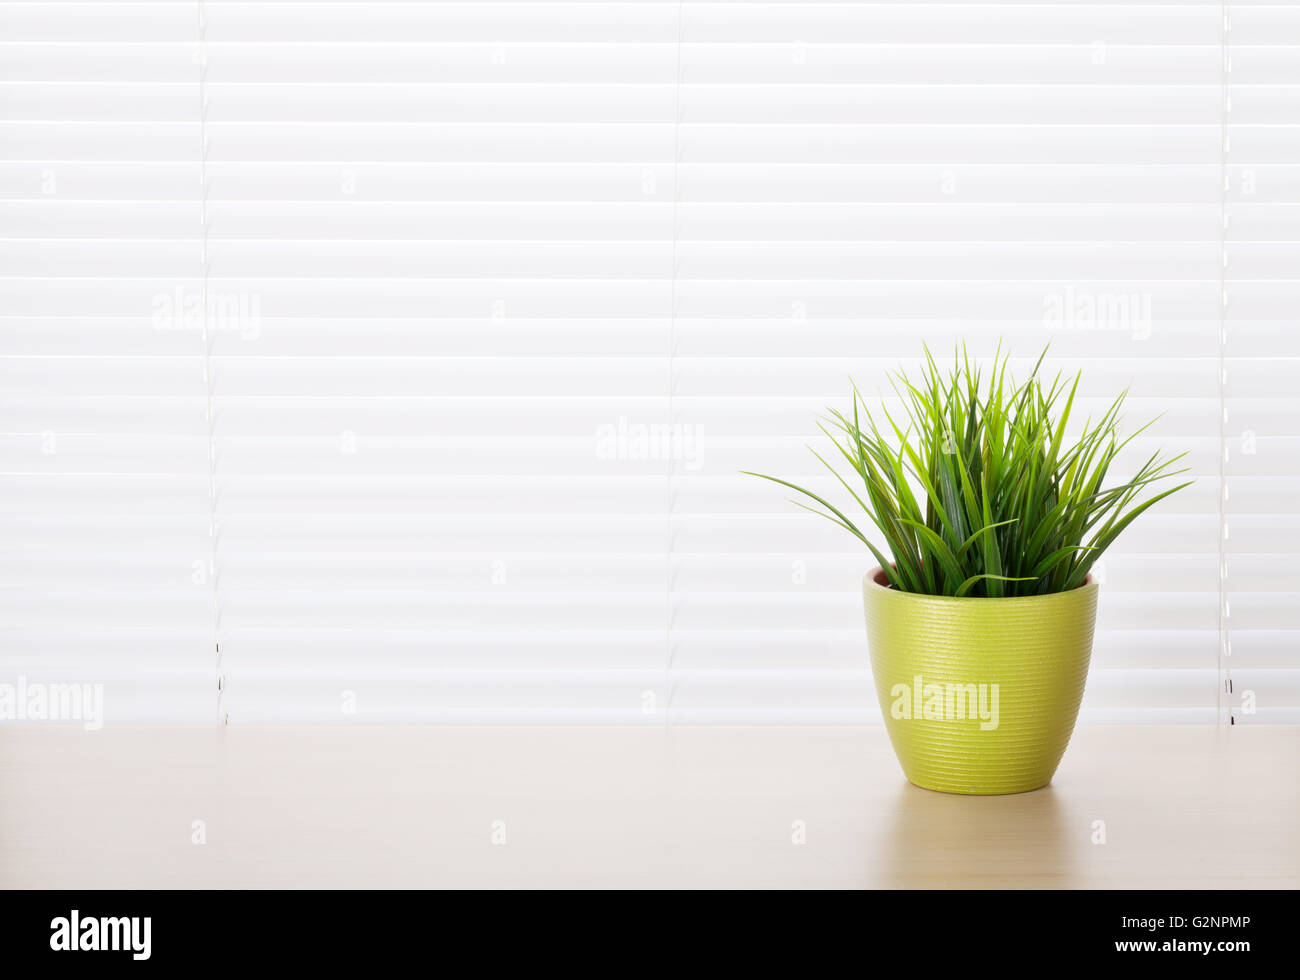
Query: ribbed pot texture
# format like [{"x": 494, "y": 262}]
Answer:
[{"x": 979, "y": 695}]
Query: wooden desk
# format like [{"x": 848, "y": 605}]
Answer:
[{"x": 716, "y": 807}]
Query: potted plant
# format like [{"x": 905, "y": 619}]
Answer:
[{"x": 980, "y": 617}]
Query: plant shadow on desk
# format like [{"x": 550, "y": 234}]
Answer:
[{"x": 941, "y": 840}]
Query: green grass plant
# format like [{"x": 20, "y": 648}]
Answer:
[{"x": 976, "y": 490}]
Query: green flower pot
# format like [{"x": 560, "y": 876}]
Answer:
[{"x": 979, "y": 695}]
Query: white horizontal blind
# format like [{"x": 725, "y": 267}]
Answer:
[
  {"x": 104, "y": 533},
  {"x": 1261, "y": 343},
  {"x": 502, "y": 296}
]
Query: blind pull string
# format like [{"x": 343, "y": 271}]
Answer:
[
  {"x": 673, "y": 439},
  {"x": 201, "y": 60},
  {"x": 1225, "y": 690}
]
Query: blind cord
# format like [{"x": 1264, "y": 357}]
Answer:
[
  {"x": 201, "y": 60},
  {"x": 1225, "y": 146},
  {"x": 674, "y": 440}
]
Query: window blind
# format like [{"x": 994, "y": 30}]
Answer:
[{"x": 399, "y": 360}]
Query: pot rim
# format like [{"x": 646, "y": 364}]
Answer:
[{"x": 876, "y": 579}]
